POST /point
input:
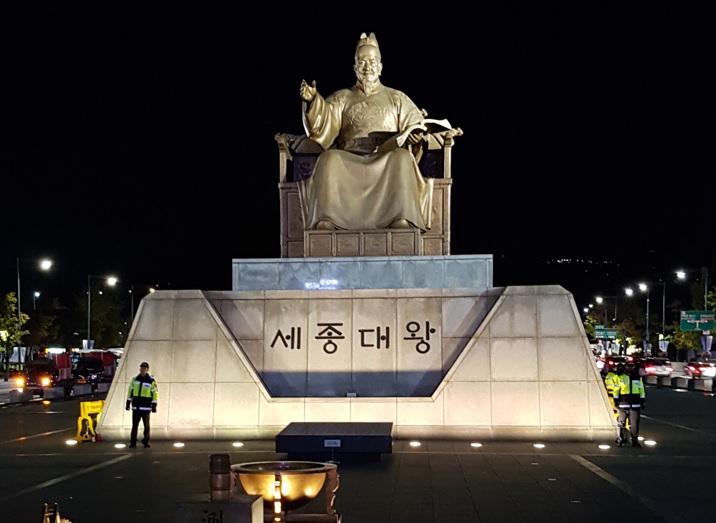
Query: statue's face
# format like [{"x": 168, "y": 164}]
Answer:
[{"x": 368, "y": 66}]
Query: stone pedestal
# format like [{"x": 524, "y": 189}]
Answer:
[{"x": 241, "y": 508}]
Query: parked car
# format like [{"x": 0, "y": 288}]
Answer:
[
  {"x": 40, "y": 374},
  {"x": 700, "y": 369},
  {"x": 657, "y": 367}
]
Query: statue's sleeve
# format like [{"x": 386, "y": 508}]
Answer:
[
  {"x": 322, "y": 119},
  {"x": 408, "y": 113}
]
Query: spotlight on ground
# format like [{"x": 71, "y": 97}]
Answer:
[
  {"x": 538, "y": 445},
  {"x": 414, "y": 443}
]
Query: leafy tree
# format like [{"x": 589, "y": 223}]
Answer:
[
  {"x": 13, "y": 332},
  {"x": 107, "y": 327}
]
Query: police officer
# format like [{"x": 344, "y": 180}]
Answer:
[
  {"x": 630, "y": 399},
  {"x": 611, "y": 382},
  {"x": 142, "y": 399}
]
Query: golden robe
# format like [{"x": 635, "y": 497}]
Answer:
[{"x": 364, "y": 179}]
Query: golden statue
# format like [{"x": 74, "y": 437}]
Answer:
[{"x": 366, "y": 177}]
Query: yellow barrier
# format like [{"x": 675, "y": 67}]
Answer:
[{"x": 89, "y": 417}]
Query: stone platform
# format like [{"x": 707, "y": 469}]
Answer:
[{"x": 375, "y": 272}]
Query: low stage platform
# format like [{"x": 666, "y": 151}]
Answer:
[{"x": 335, "y": 440}]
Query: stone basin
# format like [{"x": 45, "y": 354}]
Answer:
[{"x": 299, "y": 481}]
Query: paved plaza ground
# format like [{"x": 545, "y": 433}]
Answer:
[{"x": 439, "y": 481}]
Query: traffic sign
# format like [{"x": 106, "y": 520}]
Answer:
[
  {"x": 697, "y": 320},
  {"x": 606, "y": 334}
]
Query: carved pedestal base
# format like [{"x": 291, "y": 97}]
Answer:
[{"x": 385, "y": 242}]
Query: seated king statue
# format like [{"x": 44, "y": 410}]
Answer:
[{"x": 366, "y": 176}]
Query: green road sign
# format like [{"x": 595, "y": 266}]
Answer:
[
  {"x": 606, "y": 334},
  {"x": 697, "y": 320}
]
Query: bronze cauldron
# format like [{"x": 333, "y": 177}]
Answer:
[{"x": 291, "y": 483}]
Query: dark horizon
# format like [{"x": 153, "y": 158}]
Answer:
[{"x": 140, "y": 141}]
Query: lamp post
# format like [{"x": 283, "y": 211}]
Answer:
[
  {"x": 109, "y": 280},
  {"x": 645, "y": 287},
  {"x": 35, "y": 295},
  {"x": 131, "y": 295},
  {"x": 600, "y": 299},
  {"x": 704, "y": 276},
  {"x": 45, "y": 265}
]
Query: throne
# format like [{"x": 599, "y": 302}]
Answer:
[{"x": 297, "y": 156}]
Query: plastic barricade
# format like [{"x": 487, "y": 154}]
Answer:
[{"x": 90, "y": 412}]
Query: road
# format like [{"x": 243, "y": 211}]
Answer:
[{"x": 441, "y": 481}]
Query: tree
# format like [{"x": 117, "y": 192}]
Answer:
[
  {"x": 107, "y": 327},
  {"x": 12, "y": 331}
]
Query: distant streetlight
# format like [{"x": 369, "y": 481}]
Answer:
[
  {"x": 600, "y": 299},
  {"x": 645, "y": 287},
  {"x": 35, "y": 295},
  {"x": 147, "y": 288},
  {"x": 44, "y": 264},
  {"x": 110, "y": 280},
  {"x": 704, "y": 276}
]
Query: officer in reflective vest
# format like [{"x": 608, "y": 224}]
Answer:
[
  {"x": 630, "y": 399},
  {"x": 611, "y": 382},
  {"x": 142, "y": 399}
]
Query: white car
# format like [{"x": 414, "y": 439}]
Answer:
[{"x": 700, "y": 369}]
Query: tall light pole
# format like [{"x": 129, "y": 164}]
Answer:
[
  {"x": 704, "y": 276},
  {"x": 644, "y": 287},
  {"x": 35, "y": 295},
  {"x": 45, "y": 265},
  {"x": 109, "y": 280},
  {"x": 600, "y": 299}
]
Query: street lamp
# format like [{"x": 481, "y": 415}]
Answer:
[
  {"x": 44, "y": 265},
  {"x": 601, "y": 299},
  {"x": 35, "y": 295},
  {"x": 109, "y": 280},
  {"x": 131, "y": 295},
  {"x": 645, "y": 287},
  {"x": 704, "y": 276}
]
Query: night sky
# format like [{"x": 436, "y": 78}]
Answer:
[{"x": 138, "y": 138}]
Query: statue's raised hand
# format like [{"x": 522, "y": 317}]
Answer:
[{"x": 308, "y": 92}]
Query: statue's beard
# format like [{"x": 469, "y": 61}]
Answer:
[{"x": 368, "y": 83}]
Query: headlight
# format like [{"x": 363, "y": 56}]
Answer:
[
  {"x": 45, "y": 382},
  {"x": 20, "y": 382}
]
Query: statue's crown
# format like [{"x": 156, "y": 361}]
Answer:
[{"x": 367, "y": 40}]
